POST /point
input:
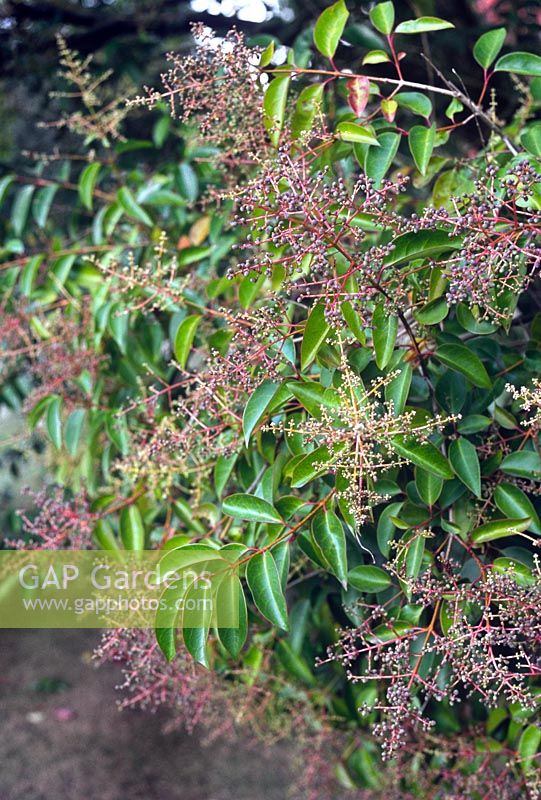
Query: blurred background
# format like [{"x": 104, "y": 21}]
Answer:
[{"x": 62, "y": 735}]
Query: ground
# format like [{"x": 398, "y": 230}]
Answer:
[{"x": 63, "y": 738}]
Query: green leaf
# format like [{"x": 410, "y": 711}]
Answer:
[
  {"x": 329, "y": 28},
  {"x": 528, "y": 747},
  {"x": 306, "y": 108},
  {"x": 294, "y": 663},
  {"x": 367, "y": 578},
  {"x": 315, "y": 463},
  {"x": 167, "y": 642},
  {"x": 421, "y": 144},
  {"x": 467, "y": 320},
  {"x": 423, "y": 25},
  {"x": 382, "y": 17},
  {"x": 104, "y": 536},
  {"x": 386, "y": 527},
  {"x": 132, "y": 207},
  {"x": 397, "y": 390},
  {"x": 42, "y": 204},
  {"x": 184, "y": 338},
  {"x": 520, "y": 64},
  {"x": 515, "y": 503},
  {"x": 233, "y": 639},
  {"x": 416, "y": 102},
  {"x": 73, "y": 428},
  {"x": 329, "y": 537},
  {"x": 487, "y": 46},
  {"x": 522, "y": 464},
  {"x": 433, "y": 312},
  {"x": 351, "y": 132},
  {"x": 87, "y": 182},
  {"x": 195, "y": 641},
  {"x": 428, "y": 485},
  {"x": 274, "y": 107},
  {"x": 264, "y": 582},
  {"x": 54, "y": 423},
  {"x": 132, "y": 529},
  {"x": 28, "y": 274},
  {"x": 498, "y": 529},
  {"x": 267, "y": 54},
  {"x": 250, "y": 508},
  {"x": 187, "y": 181},
  {"x": 531, "y": 139},
  {"x": 422, "y": 454},
  {"x": 465, "y": 462},
  {"x": 414, "y": 557},
  {"x": 461, "y": 359},
  {"x": 315, "y": 333},
  {"x": 256, "y": 407},
  {"x": 424, "y": 244},
  {"x": 384, "y": 331},
  {"x": 376, "y": 57},
  {"x": 20, "y": 209},
  {"x": 378, "y": 160}
]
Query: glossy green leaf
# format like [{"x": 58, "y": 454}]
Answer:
[
  {"x": 195, "y": 641},
  {"x": 422, "y": 454},
  {"x": 329, "y": 28},
  {"x": 329, "y": 537},
  {"x": 520, "y": 64},
  {"x": 306, "y": 109},
  {"x": 267, "y": 55},
  {"x": 421, "y": 141},
  {"x": 294, "y": 663},
  {"x": 465, "y": 462},
  {"x": 264, "y": 582},
  {"x": 397, "y": 390},
  {"x": 370, "y": 579},
  {"x": 382, "y": 17},
  {"x": 316, "y": 331},
  {"x": 423, "y": 25},
  {"x": 379, "y": 160},
  {"x": 522, "y": 464},
  {"x": 73, "y": 429},
  {"x": 256, "y": 407},
  {"x": 416, "y": 102},
  {"x": 250, "y": 508},
  {"x": 428, "y": 485},
  {"x": 132, "y": 207},
  {"x": 233, "y": 639},
  {"x": 376, "y": 57},
  {"x": 274, "y": 107},
  {"x": 423, "y": 244},
  {"x": 42, "y": 204},
  {"x": 384, "y": 332},
  {"x": 20, "y": 209},
  {"x": 513, "y": 502},
  {"x": 528, "y": 747},
  {"x": 184, "y": 338},
  {"x": 433, "y": 312},
  {"x": 87, "y": 183},
  {"x": 54, "y": 422},
  {"x": 461, "y": 359},
  {"x": 498, "y": 529},
  {"x": 132, "y": 529},
  {"x": 531, "y": 139},
  {"x": 351, "y": 132},
  {"x": 414, "y": 557},
  {"x": 487, "y": 46}
]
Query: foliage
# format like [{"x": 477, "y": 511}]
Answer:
[{"x": 301, "y": 323}]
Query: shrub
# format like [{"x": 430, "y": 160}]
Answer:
[{"x": 315, "y": 340}]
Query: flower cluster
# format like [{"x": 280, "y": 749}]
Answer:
[{"x": 481, "y": 638}]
